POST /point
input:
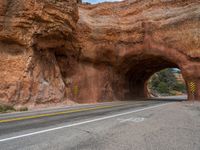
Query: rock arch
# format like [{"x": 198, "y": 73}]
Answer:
[
  {"x": 90, "y": 53},
  {"x": 137, "y": 39}
]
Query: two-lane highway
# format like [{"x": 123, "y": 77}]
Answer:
[
  {"x": 79, "y": 127},
  {"x": 26, "y": 121}
]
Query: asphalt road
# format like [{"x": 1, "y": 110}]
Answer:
[{"x": 138, "y": 125}]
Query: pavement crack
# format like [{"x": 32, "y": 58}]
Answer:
[{"x": 86, "y": 131}]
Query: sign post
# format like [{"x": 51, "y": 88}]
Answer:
[{"x": 193, "y": 88}]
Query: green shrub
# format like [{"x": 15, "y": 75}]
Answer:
[
  {"x": 180, "y": 87},
  {"x": 162, "y": 88},
  {"x": 23, "y": 109},
  {"x": 6, "y": 108}
]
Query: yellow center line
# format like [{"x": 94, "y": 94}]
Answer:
[{"x": 55, "y": 114}]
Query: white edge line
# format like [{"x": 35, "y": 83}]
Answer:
[{"x": 81, "y": 123}]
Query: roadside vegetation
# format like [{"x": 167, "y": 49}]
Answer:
[
  {"x": 6, "y": 108},
  {"x": 9, "y": 108},
  {"x": 167, "y": 82}
]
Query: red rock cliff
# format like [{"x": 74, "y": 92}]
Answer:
[
  {"x": 51, "y": 51},
  {"x": 33, "y": 35}
]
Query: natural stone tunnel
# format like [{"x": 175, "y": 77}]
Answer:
[
  {"x": 134, "y": 39},
  {"x": 139, "y": 70},
  {"x": 54, "y": 51}
]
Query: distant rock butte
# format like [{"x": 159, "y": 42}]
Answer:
[{"x": 53, "y": 51}]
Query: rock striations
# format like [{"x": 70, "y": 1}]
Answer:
[
  {"x": 33, "y": 35},
  {"x": 54, "y": 50}
]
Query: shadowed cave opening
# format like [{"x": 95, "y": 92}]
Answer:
[{"x": 138, "y": 72}]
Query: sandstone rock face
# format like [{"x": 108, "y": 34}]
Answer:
[
  {"x": 33, "y": 35},
  {"x": 134, "y": 39},
  {"x": 56, "y": 50}
]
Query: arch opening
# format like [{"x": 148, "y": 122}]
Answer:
[
  {"x": 167, "y": 83},
  {"x": 137, "y": 72}
]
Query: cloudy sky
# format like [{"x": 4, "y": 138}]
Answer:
[{"x": 98, "y": 1}]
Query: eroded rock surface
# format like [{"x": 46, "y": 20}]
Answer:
[
  {"x": 32, "y": 34},
  {"x": 52, "y": 50},
  {"x": 135, "y": 39}
]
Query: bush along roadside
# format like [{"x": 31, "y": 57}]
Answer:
[
  {"x": 6, "y": 108},
  {"x": 9, "y": 108}
]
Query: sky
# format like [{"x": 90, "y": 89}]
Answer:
[{"x": 99, "y": 1}]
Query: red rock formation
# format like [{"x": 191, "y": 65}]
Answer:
[
  {"x": 108, "y": 51},
  {"x": 33, "y": 35},
  {"x": 134, "y": 39}
]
